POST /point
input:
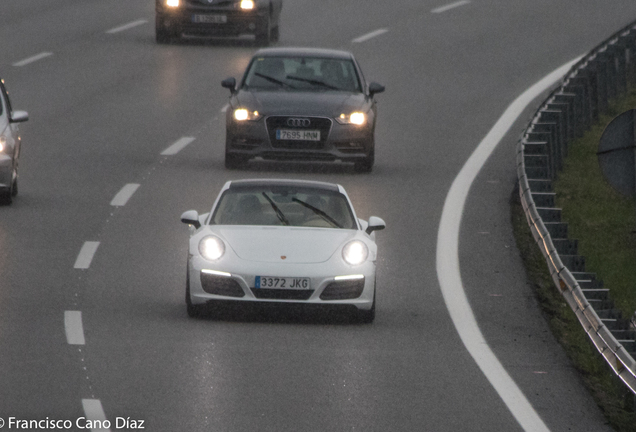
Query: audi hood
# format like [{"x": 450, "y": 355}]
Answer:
[{"x": 327, "y": 103}]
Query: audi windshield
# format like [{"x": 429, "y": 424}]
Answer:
[{"x": 302, "y": 74}]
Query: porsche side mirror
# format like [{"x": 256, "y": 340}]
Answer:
[
  {"x": 229, "y": 83},
  {"x": 191, "y": 217},
  {"x": 375, "y": 88},
  {"x": 375, "y": 224}
]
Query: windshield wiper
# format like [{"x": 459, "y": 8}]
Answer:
[
  {"x": 319, "y": 212},
  {"x": 279, "y": 213},
  {"x": 273, "y": 80},
  {"x": 314, "y": 82}
]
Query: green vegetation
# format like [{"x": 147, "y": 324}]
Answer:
[{"x": 603, "y": 221}]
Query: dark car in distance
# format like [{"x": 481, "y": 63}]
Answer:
[
  {"x": 217, "y": 18},
  {"x": 301, "y": 104}
]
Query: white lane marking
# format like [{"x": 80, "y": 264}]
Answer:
[
  {"x": 86, "y": 254},
  {"x": 225, "y": 108},
  {"x": 371, "y": 35},
  {"x": 450, "y": 6},
  {"x": 127, "y": 26},
  {"x": 73, "y": 327},
  {"x": 448, "y": 271},
  {"x": 32, "y": 59},
  {"x": 177, "y": 146},
  {"x": 124, "y": 194},
  {"x": 95, "y": 412}
]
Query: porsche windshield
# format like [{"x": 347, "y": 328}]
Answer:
[
  {"x": 302, "y": 74},
  {"x": 285, "y": 206}
]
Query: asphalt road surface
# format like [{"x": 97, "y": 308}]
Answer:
[{"x": 92, "y": 314}]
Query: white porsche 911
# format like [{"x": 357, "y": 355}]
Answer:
[{"x": 289, "y": 241}]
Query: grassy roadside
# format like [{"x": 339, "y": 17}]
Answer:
[
  {"x": 599, "y": 217},
  {"x": 603, "y": 222}
]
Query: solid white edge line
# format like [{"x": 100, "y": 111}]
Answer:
[
  {"x": 127, "y": 26},
  {"x": 177, "y": 146},
  {"x": 73, "y": 328},
  {"x": 94, "y": 411},
  {"x": 450, "y": 6},
  {"x": 124, "y": 194},
  {"x": 448, "y": 268},
  {"x": 371, "y": 35},
  {"x": 32, "y": 59},
  {"x": 86, "y": 254}
]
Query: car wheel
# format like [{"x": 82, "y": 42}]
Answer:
[
  {"x": 264, "y": 36},
  {"x": 14, "y": 189},
  {"x": 194, "y": 311},
  {"x": 234, "y": 161},
  {"x": 275, "y": 35},
  {"x": 162, "y": 36},
  {"x": 366, "y": 165},
  {"x": 367, "y": 316}
]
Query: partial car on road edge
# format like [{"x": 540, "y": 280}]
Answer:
[{"x": 10, "y": 142}]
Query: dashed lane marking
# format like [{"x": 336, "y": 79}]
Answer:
[
  {"x": 32, "y": 59},
  {"x": 86, "y": 254},
  {"x": 127, "y": 26},
  {"x": 74, "y": 328},
  {"x": 371, "y": 35},
  {"x": 177, "y": 146},
  {"x": 124, "y": 194}
]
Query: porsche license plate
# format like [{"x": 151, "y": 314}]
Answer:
[
  {"x": 209, "y": 19},
  {"x": 282, "y": 282},
  {"x": 297, "y": 135}
]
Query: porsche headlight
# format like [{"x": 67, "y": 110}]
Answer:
[
  {"x": 242, "y": 114},
  {"x": 355, "y": 252},
  {"x": 3, "y": 143},
  {"x": 172, "y": 3},
  {"x": 356, "y": 118},
  {"x": 247, "y": 4},
  {"x": 212, "y": 248}
]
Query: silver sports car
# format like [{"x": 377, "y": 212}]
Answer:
[
  {"x": 9, "y": 146},
  {"x": 287, "y": 241}
]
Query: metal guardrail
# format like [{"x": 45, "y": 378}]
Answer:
[{"x": 572, "y": 107}]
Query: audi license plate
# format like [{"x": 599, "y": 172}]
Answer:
[
  {"x": 297, "y": 135},
  {"x": 209, "y": 19},
  {"x": 282, "y": 282}
]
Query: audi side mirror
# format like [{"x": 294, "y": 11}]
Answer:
[
  {"x": 229, "y": 83},
  {"x": 375, "y": 88}
]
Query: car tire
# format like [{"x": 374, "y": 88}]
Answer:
[
  {"x": 264, "y": 37},
  {"x": 162, "y": 36},
  {"x": 14, "y": 189},
  {"x": 367, "y": 316},
  {"x": 194, "y": 311},
  {"x": 366, "y": 165},
  {"x": 275, "y": 35},
  {"x": 234, "y": 161}
]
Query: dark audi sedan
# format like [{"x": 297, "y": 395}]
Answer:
[
  {"x": 218, "y": 18},
  {"x": 301, "y": 104}
]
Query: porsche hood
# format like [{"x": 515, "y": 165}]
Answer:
[{"x": 285, "y": 244}]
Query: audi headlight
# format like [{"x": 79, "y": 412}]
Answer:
[
  {"x": 172, "y": 3},
  {"x": 355, "y": 252},
  {"x": 212, "y": 248},
  {"x": 242, "y": 114},
  {"x": 3, "y": 142},
  {"x": 356, "y": 118},
  {"x": 247, "y": 4}
]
